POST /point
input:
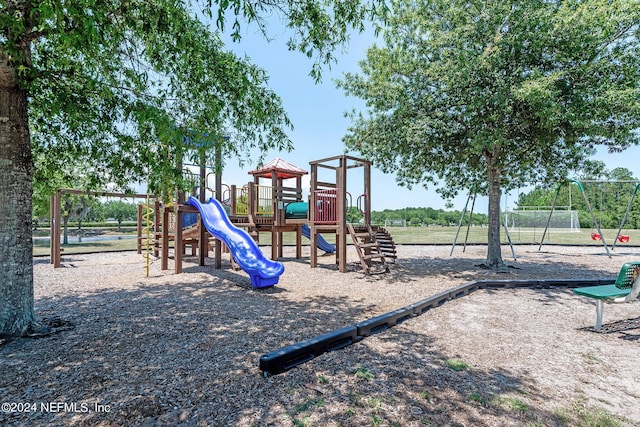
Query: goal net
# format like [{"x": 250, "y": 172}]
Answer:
[
  {"x": 395, "y": 222},
  {"x": 561, "y": 219}
]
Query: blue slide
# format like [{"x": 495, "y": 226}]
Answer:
[
  {"x": 245, "y": 250},
  {"x": 322, "y": 244}
]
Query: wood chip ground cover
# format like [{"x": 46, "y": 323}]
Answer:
[{"x": 173, "y": 350}]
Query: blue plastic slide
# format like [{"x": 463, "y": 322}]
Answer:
[
  {"x": 262, "y": 271},
  {"x": 322, "y": 243}
]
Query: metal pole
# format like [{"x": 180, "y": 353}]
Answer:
[
  {"x": 593, "y": 217},
  {"x": 464, "y": 211},
  {"x": 506, "y": 231},
  {"x": 466, "y": 237},
  {"x": 626, "y": 214},
  {"x": 553, "y": 206}
]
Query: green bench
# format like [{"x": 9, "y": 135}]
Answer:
[{"x": 625, "y": 289}]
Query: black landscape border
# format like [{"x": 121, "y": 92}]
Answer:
[{"x": 288, "y": 357}]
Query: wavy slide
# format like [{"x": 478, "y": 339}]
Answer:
[
  {"x": 262, "y": 271},
  {"x": 322, "y": 243}
]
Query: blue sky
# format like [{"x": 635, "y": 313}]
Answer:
[{"x": 317, "y": 113}]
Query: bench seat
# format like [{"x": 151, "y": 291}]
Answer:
[
  {"x": 625, "y": 289},
  {"x": 602, "y": 292}
]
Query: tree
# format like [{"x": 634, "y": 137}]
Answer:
[
  {"x": 354, "y": 216},
  {"x": 112, "y": 84},
  {"x": 96, "y": 211},
  {"x": 72, "y": 206},
  {"x": 40, "y": 208},
  {"x": 120, "y": 211},
  {"x": 492, "y": 94}
]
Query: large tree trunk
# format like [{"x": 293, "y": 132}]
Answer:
[
  {"x": 16, "y": 171},
  {"x": 494, "y": 250}
]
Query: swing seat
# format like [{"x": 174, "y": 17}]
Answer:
[
  {"x": 596, "y": 236},
  {"x": 623, "y": 239}
]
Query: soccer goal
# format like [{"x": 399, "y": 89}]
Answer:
[
  {"x": 536, "y": 218},
  {"x": 395, "y": 222}
]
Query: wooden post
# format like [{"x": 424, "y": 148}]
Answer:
[
  {"x": 218, "y": 166},
  {"x": 202, "y": 238},
  {"x": 299, "y": 227},
  {"x": 251, "y": 198},
  {"x": 164, "y": 245},
  {"x": 341, "y": 231},
  {"x": 313, "y": 236},
  {"x": 274, "y": 242},
  {"x": 157, "y": 237},
  {"x": 177, "y": 241},
  {"x": 276, "y": 196},
  {"x": 55, "y": 230},
  {"x": 232, "y": 198},
  {"x": 367, "y": 192},
  {"x": 52, "y": 207},
  {"x": 139, "y": 229}
]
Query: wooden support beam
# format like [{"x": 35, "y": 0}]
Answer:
[
  {"x": 164, "y": 245},
  {"x": 104, "y": 193},
  {"x": 139, "y": 230},
  {"x": 313, "y": 257},
  {"x": 55, "y": 230},
  {"x": 177, "y": 241},
  {"x": 320, "y": 184},
  {"x": 341, "y": 241}
]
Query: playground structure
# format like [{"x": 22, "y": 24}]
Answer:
[
  {"x": 329, "y": 201},
  {"x": 255, "y": 207},
  {"x": 238, "y": 216},
  {"x": 271, "y": 205},
  {"x": 275, "y": 207}
]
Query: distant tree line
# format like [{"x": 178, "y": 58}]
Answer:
[{"x": 417, "y": 217}]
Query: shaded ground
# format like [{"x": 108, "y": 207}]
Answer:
[{"x": 184, "y": 349}]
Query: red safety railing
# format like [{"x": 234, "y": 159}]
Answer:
[{"x": 326, "y": 208}]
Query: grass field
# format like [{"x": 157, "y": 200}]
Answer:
[{"x": 401, "y": 235}]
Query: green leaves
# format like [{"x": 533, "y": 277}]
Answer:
[
  {"x": 109, "y": 81},
  {"x": 525, "y": 87},
  {"x": 490, "y": 95}
]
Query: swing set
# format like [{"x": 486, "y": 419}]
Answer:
[
  {"x": 472, "y": 199},
  {"x": 596, "y": 232}
]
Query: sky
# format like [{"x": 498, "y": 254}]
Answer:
[{"x": 317, "y": 113}]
